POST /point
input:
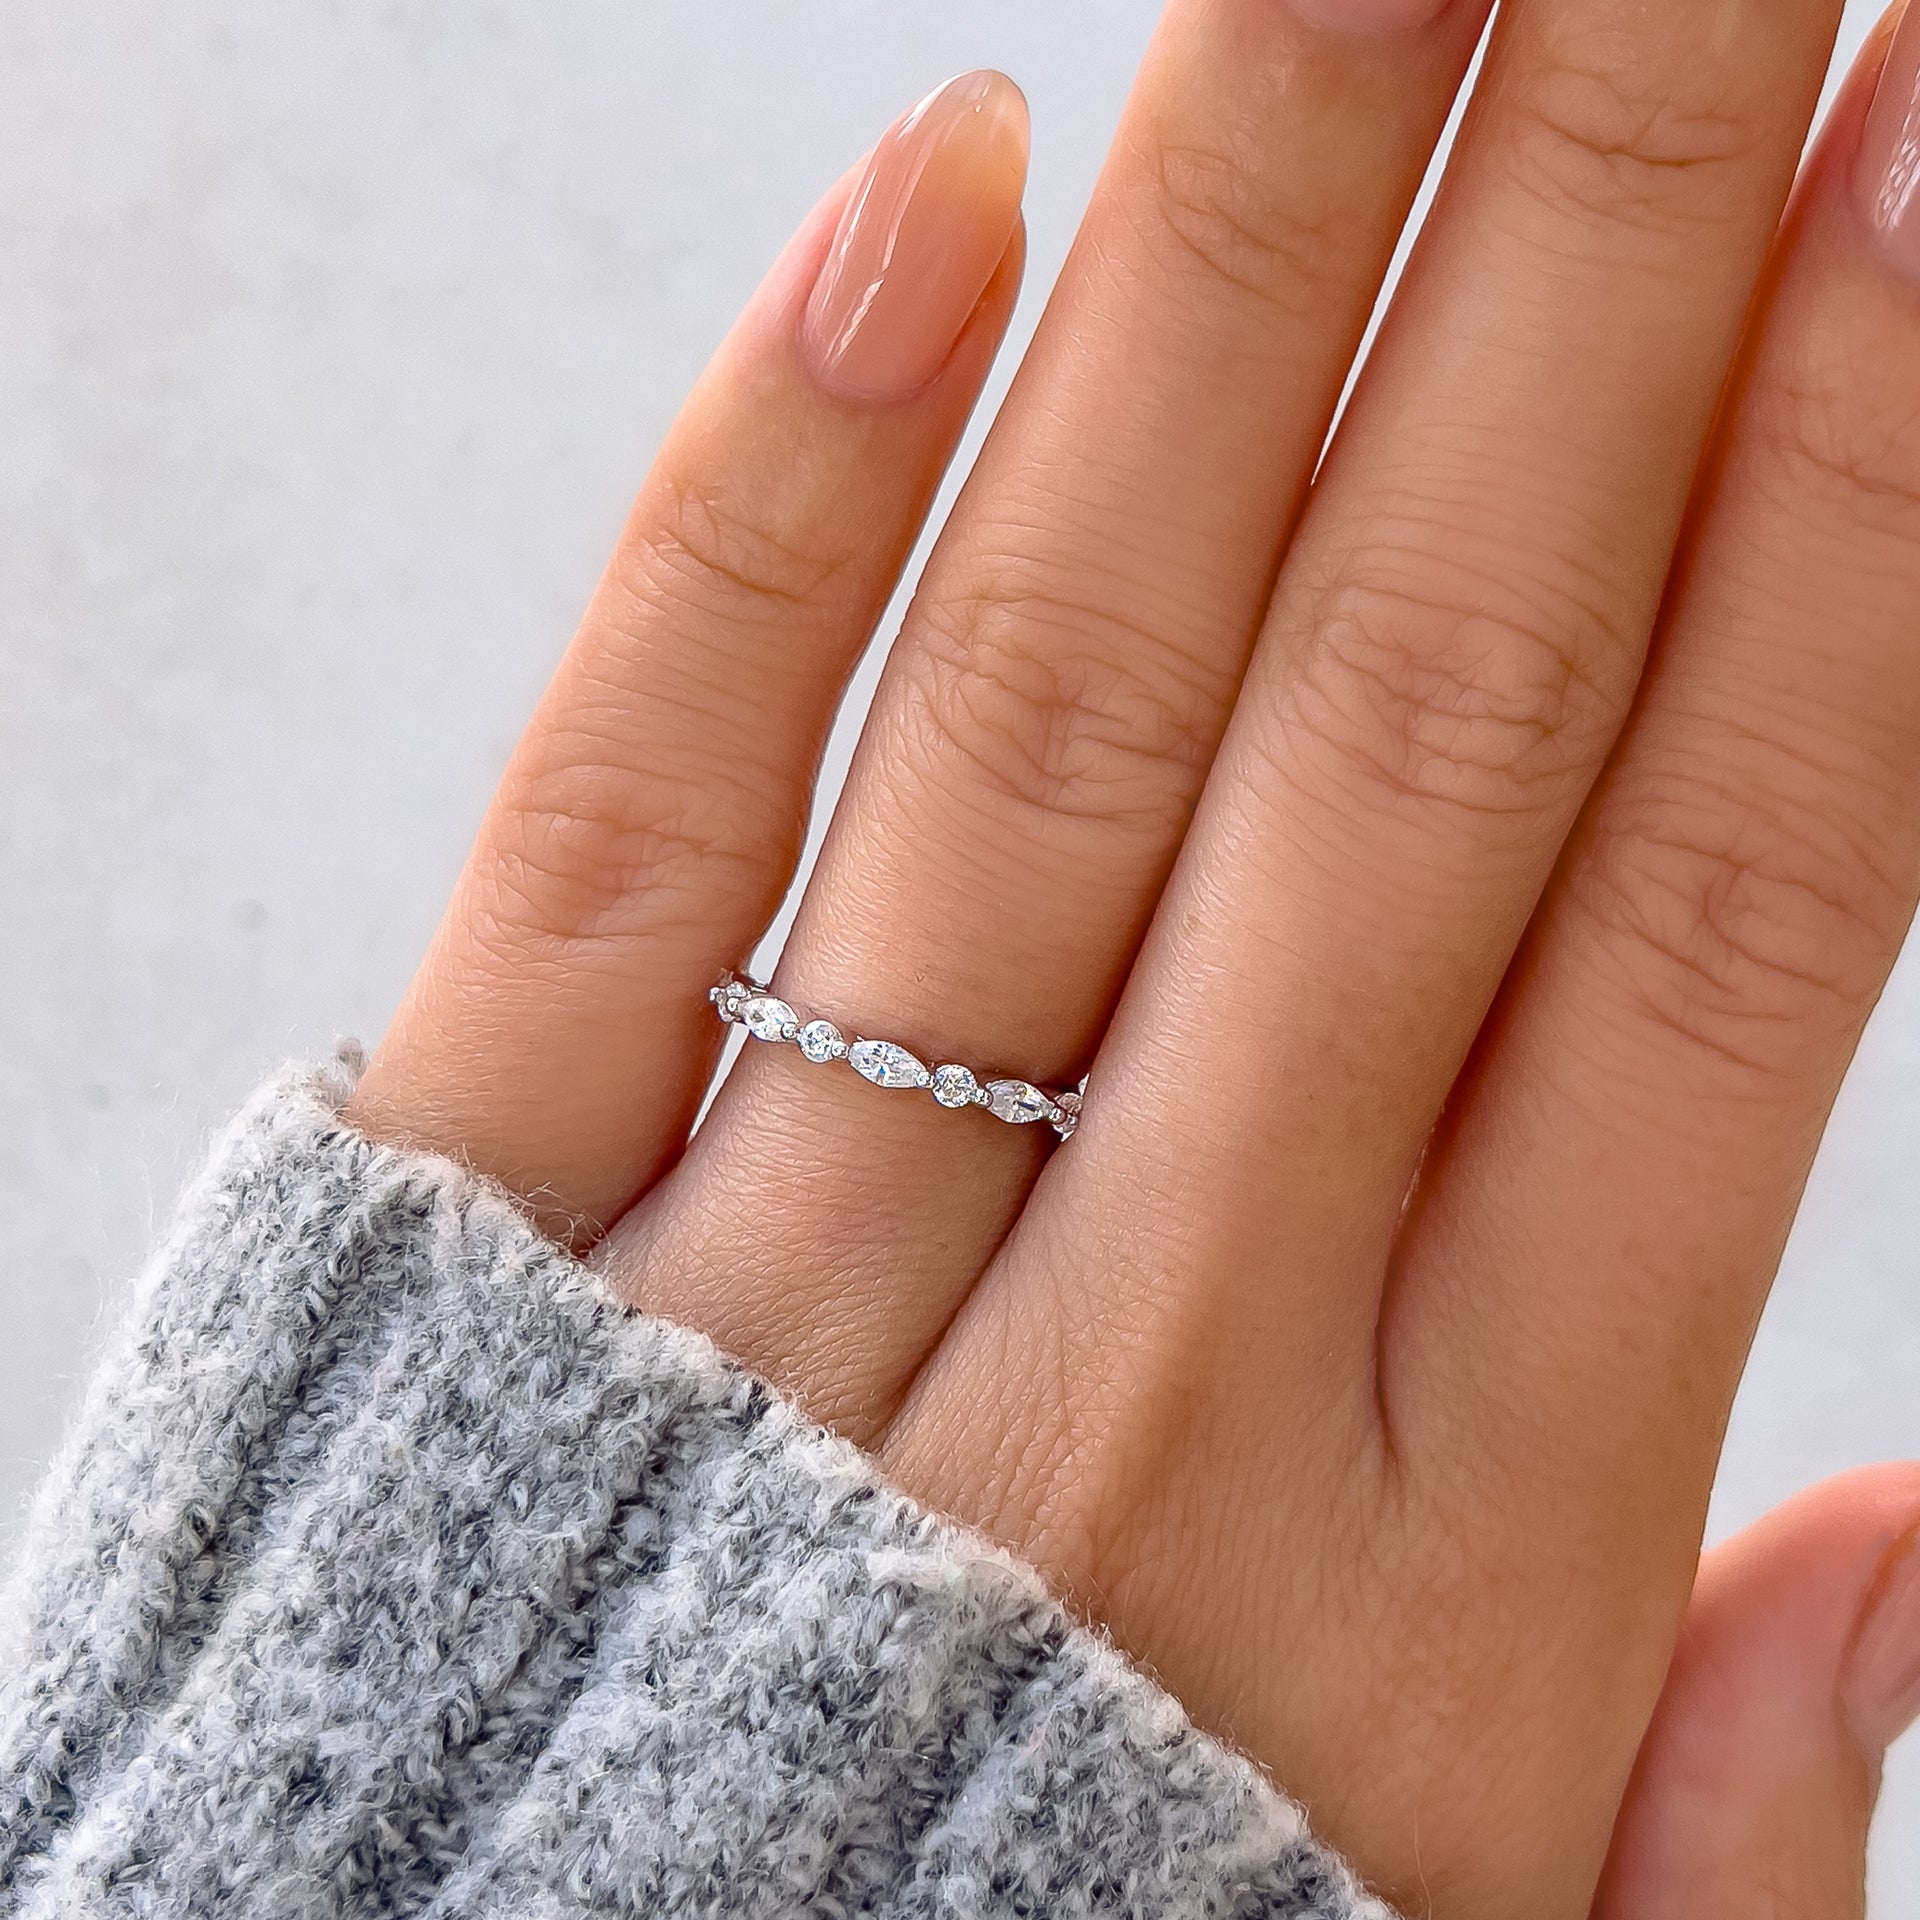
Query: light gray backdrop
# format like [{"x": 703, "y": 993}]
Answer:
[{"x": 332, "y": 341}]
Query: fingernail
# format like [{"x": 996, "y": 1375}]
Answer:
[
  {"x": 920, "y": 239},
  {"x": 1369, "y": 16},
  {"x": 1881, "y": 1682},
  {"x": 1889, "y": 171}
]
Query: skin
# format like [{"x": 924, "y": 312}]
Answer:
[
  {"x": 1755, "y": 1786},
  {"x": 1472, "y": 866}
]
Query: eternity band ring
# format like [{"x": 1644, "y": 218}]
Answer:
[{"x": 746, "y": 1003}]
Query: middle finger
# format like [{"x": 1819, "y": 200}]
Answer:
[
  {"x": 1453, "y": 643},
  {"x": 1452, "y": 646}
]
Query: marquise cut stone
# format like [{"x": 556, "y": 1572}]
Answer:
[
  {"x": 769, "y": 1019},
  {"x": 1018, "y": 1102},
  {"x": 887, "y": 1065},
  {"x": 821, "y": 1041},
  {"x": 954, "y": 1086}
]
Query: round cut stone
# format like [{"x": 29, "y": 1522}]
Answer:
[
  {"x": 1018, "y": 1103},
  {"x": 769, "y": 1019},
  {"x": 954, "y": 1086},
  {"x": 821, "y": 1041},
  {"x": 887, "y": 1065}
]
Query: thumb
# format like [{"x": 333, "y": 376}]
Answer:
[{"x": 1798, "y": 1666}]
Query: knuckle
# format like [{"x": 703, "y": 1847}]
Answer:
[
  {"x": 585, "y": 849},
  {"x": 1439, "y": 700},
  {"x": 705, "y": 550},
  {"x": 1045, "y": 702},
  {"x": 1840, "y": 443},
  {"x": 1729, "y": 931},
  {"x": 1219, "y": 211},
  {"x": 1600, "y": 133}
]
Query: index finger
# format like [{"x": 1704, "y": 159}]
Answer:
[{"x": 557, "y": 1035}]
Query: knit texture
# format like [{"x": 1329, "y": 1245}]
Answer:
[{"x": 394, "y": 1568}]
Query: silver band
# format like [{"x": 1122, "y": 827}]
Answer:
[{"x": 1020, "y": 1103}]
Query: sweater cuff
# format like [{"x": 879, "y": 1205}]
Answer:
[{"x": 394, "y": 1566}]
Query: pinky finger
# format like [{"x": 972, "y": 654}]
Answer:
[
  {"x": 557, "y": 1036},
  {"x": 1798, "y": 1667}
]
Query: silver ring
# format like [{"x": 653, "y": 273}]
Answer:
[{"x": 747, "y": 1003}]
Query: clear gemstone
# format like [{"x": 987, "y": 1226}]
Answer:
[
  {"x": 730, "y": 996},
  {"x": 1018, "y": 1103},
  {"x": 954, "y": 1086},
  {"x": 769, "y": 1019},
  {"x": 887, "y": 1065},
  {"x": 821, "y": 1040}
]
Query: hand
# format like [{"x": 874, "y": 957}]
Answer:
[{"x": 1461, "y": 1048}]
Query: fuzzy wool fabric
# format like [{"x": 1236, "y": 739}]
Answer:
[{"x": 395, "y": 1568}]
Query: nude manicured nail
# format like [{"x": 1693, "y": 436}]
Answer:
[
  {"x": 1881, "y": 1685},
  {"x": 920, "y": 239},
  {"x": 1370, "y": 16},
  {"x": 1889, "y": 171}
]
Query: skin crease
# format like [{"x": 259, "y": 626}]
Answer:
[{"x": 1561, "y": 818}]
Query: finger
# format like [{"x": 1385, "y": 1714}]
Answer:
[
  {"x": 1049, "y": 713},
  {"x": 649, "y": 822},
  {"x": 1798, "y": 1667},
  {"x": 1455, "y": 636},
  {"x": 1607, "y": 1205},
  {"x": 1192, "y": 1324}
]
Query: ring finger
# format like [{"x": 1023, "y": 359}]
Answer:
[{"x": 1049, "y": 714}]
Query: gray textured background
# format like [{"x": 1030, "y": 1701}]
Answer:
[{"x": 332, "y": 341}]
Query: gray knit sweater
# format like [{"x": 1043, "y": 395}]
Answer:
[{"x": 394, "y": 1568}]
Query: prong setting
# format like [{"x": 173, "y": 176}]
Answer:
[
  {"x": 769, "y": 1019},
  {"x": 956, "y": 1087},
  {"x": 822, "y": 1042}
]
